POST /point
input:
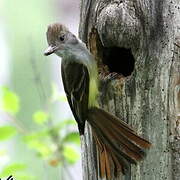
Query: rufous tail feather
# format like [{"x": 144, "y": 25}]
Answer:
[{"x": 117, "y": 143}]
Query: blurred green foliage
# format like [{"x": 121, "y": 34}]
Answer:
[
  {"x": 40, "y": 117},
  {"x": 12, "y": 169},
  {"x": 51, "y": 143},
  {"x": 35, "y": 130},
  {"x": 6, "y": 132},
  {"x": 10, "y": 101}
]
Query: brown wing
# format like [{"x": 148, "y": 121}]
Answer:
[{"x": 75, "y": 78}]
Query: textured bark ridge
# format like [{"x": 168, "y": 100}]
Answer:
[{"x": 140, "y": 40}]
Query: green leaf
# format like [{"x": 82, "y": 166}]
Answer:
[
  {"x": 40, "y": 117},
  {"x": 10, "y": 101},
  {"x": 43, "y": 149},
  {"x": 12, "y": 169},
  {"x": 70, "y": 154},
  {"x": 23, "y": 176},
  {"x": 36, "y": 136},
  {"x": 7, "y": 132},
  {"x": 72, "y": 137}
]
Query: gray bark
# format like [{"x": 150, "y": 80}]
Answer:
[{"x": 148, "y": 99}]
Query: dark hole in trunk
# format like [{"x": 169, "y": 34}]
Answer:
[{"x": 119, "y": 60}]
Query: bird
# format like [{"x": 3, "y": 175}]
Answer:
[{"x": 117, "y": 144}]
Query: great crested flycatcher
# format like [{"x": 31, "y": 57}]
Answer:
[{"x": 117, "y": 143}]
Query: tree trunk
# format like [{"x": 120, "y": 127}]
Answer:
[{"x": 140, "y": 41}]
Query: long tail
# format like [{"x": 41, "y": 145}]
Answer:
[{"x": 117, "y": 143}]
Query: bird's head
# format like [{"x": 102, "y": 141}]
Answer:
[{"x": 60, "y": 40}]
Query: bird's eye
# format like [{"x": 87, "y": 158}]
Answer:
[{"x": 62, "y": 37}]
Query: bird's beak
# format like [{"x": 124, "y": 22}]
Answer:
[{"x": 50, "y": 50}]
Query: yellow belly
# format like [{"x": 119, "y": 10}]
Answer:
[{"x": 93, "y": 92}]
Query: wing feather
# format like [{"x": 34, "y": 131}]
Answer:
[{"x": 75, "y": 78}]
